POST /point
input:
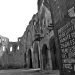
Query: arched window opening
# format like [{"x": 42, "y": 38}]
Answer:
[
  {"x": 3, "y": 48},
  {"x": 11, "y": 49},
  {"x": 3, "y": 40},
  {"x": 18, "y": 47},
  {"x": 19, "y": 39}
]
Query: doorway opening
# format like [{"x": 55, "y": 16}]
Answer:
[
  {"x": 29, "y": 58},
  {"x": 45, "y": 56},
  {"x": 53, "y": 53}
]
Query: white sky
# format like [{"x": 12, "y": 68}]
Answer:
[{"x": 15, "y": 16}]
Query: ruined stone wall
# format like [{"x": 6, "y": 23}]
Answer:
[
  {"x": 40, "y": 31},
  {"x": 13, "y": 57},
  {"x": 4, "y": 41}
]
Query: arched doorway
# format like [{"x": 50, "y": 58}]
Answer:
[
  {"x": 53, "y": 53},
  {"x": 36, "y": 56},
  {"x": 44, "y": 56},
  {"x": 29, "y": 59}
]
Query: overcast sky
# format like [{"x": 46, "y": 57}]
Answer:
[{"x": 15, "y": 16}]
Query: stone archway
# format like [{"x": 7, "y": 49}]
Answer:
[
  {"x": 29, "y": 61},
  {"x": 45, "y": 59},
  {"x": 53, "y": 53},
  {"x": 36, "y": 56}
]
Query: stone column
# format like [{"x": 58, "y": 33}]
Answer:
[
  {"x": 41, "y": 60},
  {"x": 50, "y": 61}
]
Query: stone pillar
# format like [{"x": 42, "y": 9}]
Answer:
[
  {"x": 41, "y": 60},
  {"x": 39, "y": 54},
  {"x": 27, "y": 59},
  {"x": 50, "y": 61},
  {"x": 35, "y": 57}
]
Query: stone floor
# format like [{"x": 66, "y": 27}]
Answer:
[{"x": 28, "y": 72}]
